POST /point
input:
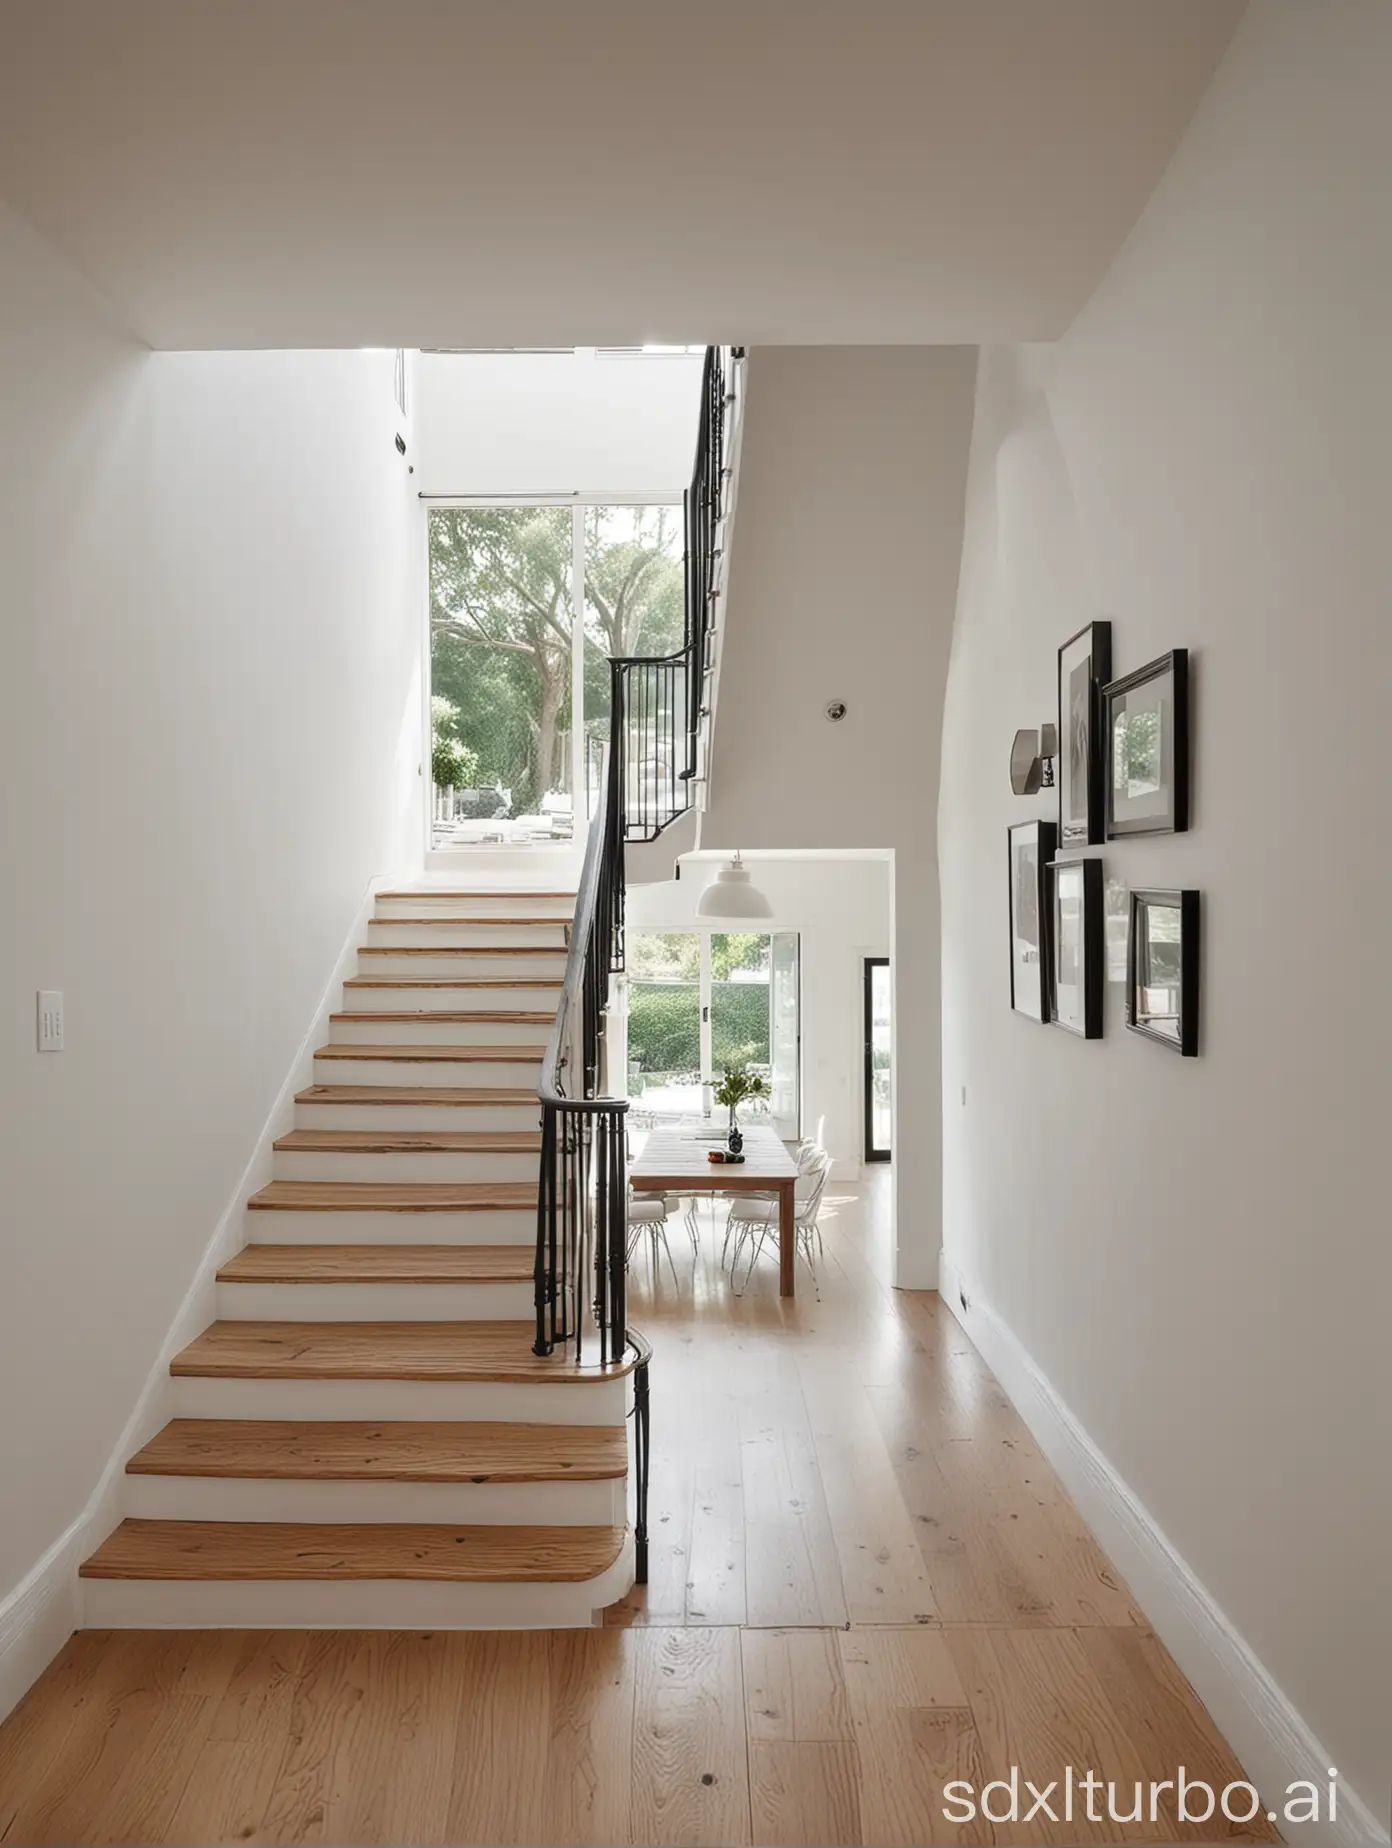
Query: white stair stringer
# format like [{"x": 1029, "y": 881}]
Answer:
[
  {"x": 466, "y": 1401},
  {"x": 431, "y": 1069},
  {"x": 408, "y": 1111},
  {"x": 503, "y": 1226},
  {"x": 470, "y": 1504},
  {"x": 375, "y": 1302}
]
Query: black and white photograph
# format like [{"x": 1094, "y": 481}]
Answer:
[
  {"x": 1162, "y": 969},
  {"x": 1032, "y": 845},
  {"x": 1078, "y": 952},
  {"x": 1147, "y": 748},
  {"x": 1084, "y": 667}
]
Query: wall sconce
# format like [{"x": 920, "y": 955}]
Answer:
[{"x": 1032, "y": 760}]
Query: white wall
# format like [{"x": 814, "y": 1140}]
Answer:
[
  {"x": 1196, "y": 1253},
  {"x": 843, "y": 578},
  {"x": 209, "y": 726},
  {"x": 494, "y": 423},
  {"x": 840, "y": 910}
]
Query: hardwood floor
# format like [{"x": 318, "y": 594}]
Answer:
[{"x": 866, "y": 1582}]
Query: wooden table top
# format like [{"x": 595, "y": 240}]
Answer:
[{"x": 676, "y": 1158}]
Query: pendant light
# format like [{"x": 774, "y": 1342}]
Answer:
[{"x": 732, "y": 894}]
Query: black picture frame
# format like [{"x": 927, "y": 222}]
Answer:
[
  {"x": 1029, "y": 905},
  {"x": 1182, "y": 968},
  {"x": 1163, "y": 809},
  {"x": 1085, "y": 878},
  {"x": 1084, "y": 668}
]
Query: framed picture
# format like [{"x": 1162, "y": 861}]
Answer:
[
  {"x": 1078, "y": 952},
  {"x": 1084, "y": 667},
  {"x": 1032, "y": 845},
  {"x": 1162, "y": 969},
  {"x": 1146, "y": 724}
]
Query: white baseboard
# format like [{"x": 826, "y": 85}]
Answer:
[
  {"x": 37, "y": 1618},
  {"x": 43, "y": 1610},
  {"x": 1272, "y": 1740}
]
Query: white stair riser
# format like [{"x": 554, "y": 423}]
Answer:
[
  {"x": 493, "y": 1226},
  {"x": 388, "y": 1118},
  {"x": 364, "y": 1030},
  {"x": 355, "y": 1604},
  {"x": 417, "y": 1165},
  {"x": 525, "y": 1402},
  {"x": 377, "y": 1302},
  {"x": 481, "y": 1504},
  {"x": 466, "y": 933},
  {"x": 456, "y": 1074},
  {"x": 462, "y": 965},
  {"x": 541, "y": 1000},
  {"x": 475, "y": 905}
]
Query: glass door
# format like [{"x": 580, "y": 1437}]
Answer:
[
  {"x": 879, "y": 1077},
  {"x": 785, "y": 1035},
  {"x": 666, "y": 1023},
  {"x": 699, "y": 1001}
]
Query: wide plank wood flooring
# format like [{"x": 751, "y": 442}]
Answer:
[{"x": 866, "y": 1582}]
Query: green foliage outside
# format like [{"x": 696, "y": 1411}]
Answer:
[
  {"x": 664, "y": 1028},
  {"x": 739, "y": 1024},
  {"x": 452, "y": 763},
  {"x": 676, "y": 954}
]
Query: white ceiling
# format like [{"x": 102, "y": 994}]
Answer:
[{"x": 583, "y": 172}]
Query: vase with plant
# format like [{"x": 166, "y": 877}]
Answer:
[{"x": 737, "y": 1084}]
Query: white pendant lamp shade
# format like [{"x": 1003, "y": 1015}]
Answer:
[{"x": 732, "y": 894}]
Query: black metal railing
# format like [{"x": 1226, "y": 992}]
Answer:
[{"x": 656, "y": 708}]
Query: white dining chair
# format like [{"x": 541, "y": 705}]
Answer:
[
  {"x": 647, "y": 1213},
  {"x": 754, "y": 1218},
  {"x": 809, "y": 1156}
]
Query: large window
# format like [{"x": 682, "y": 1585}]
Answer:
[
  {"x": 701, "y": 1000},
  {"x": 519, "y": 689}
]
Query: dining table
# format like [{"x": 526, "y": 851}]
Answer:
[{"x": 676, "y": 1159}]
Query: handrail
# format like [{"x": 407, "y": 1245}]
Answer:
[{"x": 655, "y": 713}]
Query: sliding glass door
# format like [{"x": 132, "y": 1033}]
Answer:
[
  {"x": 519, "y": 689},
  {"x": 699, "y": 1001}
]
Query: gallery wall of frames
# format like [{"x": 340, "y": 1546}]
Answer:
[{"x": 1123, "y": 769}]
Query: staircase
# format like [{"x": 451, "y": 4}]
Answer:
[{"x": 366, "y": 1437}]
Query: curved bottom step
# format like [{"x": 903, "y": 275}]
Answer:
[{"x": 250, "y": 1575}]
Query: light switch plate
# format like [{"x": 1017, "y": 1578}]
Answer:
[{"x": 50, "y": 1020}]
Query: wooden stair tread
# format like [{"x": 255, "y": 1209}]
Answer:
[
  {"x": 536, "y": 921},
  {"x": 453, "y": 892},
  {"x": 454, "y": 981},
  {"x": 394, "y": 1197},
  {"x": 412, "y": 1141},
  {"x": 379, "y": 1264},
  {"x": 511, "y": 1017},
  {"x": 355, "y": 1450},
  {"x": 500, "y": 1351},
  {"x": 439, "y": 1055},
  {"x": 351, "y": 1550},
  {"x": 463, "y": 1096},
  {"x": 454, "y": 949}
]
